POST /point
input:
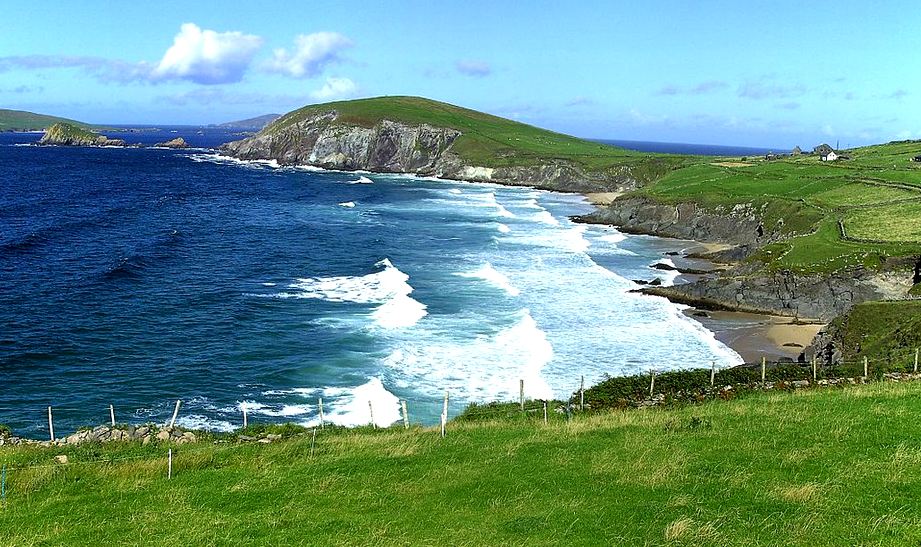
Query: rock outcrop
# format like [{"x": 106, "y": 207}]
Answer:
[
  {"x": 322, "y": 140},
  {"x": 747, "y": 286},
  {"x": 65, "y": 134},
  {"x": 178, "y": 142}
]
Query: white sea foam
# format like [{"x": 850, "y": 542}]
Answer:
[
  {"x": 362, "y": 180},
  {"x": 455, "y": 191},
  {"x": 615, "y": 237},
  {"x": 350, "y": 407},
  {"x": 201, "y": 422},
  {"x": 278, "y": 411},
  {"x": 229, "y": 160},
  {"x": 488, "y": 199},
  {"x": 503, "y": 228},
  {"x": 268, "y": 284},
  {"x": 492, "y": 276},
  {"x": 348, "y": 204},
  {"x": 482, "y": 368},
  {"x": 546, "y": 218},
  {"x": 389, "y": 288}
]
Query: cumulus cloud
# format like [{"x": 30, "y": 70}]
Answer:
[
  {"x": 207, "y": 57},
  {"x": 334, "y": 89},
  {"x": 311, "y": 54},
  {"x": 198, "y": 55},
  {"x": 470, "y": 67}
]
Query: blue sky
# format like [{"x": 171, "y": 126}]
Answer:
[{"x": 773, "y": 74}]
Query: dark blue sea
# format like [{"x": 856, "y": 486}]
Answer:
[
  {"x": 136, "y": 277},
  {"x": 692, "y": 149}
]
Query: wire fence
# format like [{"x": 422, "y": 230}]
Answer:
[{"x": 431, "y": 408}]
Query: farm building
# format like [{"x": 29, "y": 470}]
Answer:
[{"x": 830, "y": 156}]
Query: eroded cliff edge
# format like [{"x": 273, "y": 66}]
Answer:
[
  {"x": 748, "y": 285},
  {"x": 388, "y": 146}
]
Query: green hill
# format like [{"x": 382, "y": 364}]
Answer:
[
  {"x": 485, "y": 140},
  {"x": 834, "y": 215},
  {"x": 818, "y": 467},
  {"x": 20, "y": 120}
]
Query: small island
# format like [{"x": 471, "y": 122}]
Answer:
[
  {"x": 66, "y": 134},
  {"x": 178, "y": 142}
]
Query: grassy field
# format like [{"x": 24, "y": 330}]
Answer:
[
  {"x": 882, "y": 330},
  {"x": 819, "y": 467},
  {"x": 875, "y": 196},
  {"x": 20, "y": 120},
  {"x": 488, "y": 140}
]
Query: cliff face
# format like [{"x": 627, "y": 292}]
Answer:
[
  {"x": 393, "y": 147},
  {"x": 747, "y": 286},
  {"x": 65, "y": 134}
]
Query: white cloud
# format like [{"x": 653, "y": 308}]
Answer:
[
  {"x": 335, "y": 88},
  {"x": 207, "y": 57},
  {"x": 312, "y": 52}
]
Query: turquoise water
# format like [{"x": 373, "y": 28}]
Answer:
[{"x": 135, "y": 277}]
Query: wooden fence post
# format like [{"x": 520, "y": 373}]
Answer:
[
  {"x": 112, "y": 414},
  {"x": 582, "y": 394},
  {"x": 444, "y": 414},
  {"x": 521, "y": 393},
  {"x": 313, "y": 441},
  {"x": 763, "y": 368},
  {"x": 815, "y": 370},
  {"x": 652, "y": 382},
  {"x": 50, "y": 424},
  {"x": 545, "y": 412},
  {"x": 916, "y": 361},
  {"x": 175, "y": 413},
  {"x": 169, "y": 464},
  {"x": 245, "y": 420},
  {"x": 371, "y": 412},
  {"x": 712, "y": 373},
  {"x": 866, "y": 368},
  {"x": 405, "y": 414},
  {"x": 321, "y": 412}
]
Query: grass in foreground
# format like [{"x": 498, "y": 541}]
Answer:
[{"x": 822, "y": 467}]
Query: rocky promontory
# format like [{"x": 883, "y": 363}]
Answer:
[
  {"x": 390, "y": 141},
  {"x": 177, "y": 143},
  {"x": 65, "y": 134}
]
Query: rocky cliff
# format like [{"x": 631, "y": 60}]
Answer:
[
  {"x": 65, "y": 134},
  {"x": 388, "y": 146},
  {"x": 747, "y": 286}
]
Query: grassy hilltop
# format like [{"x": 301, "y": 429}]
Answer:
[
  {"x": 487, "y": 140},
  {"x": 820, "y": 467},
  {"x": 20, "y": 120},
  {"x": 835, "y": 215}
]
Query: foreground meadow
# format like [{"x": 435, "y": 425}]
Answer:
[{"x": 817, "y": 467}]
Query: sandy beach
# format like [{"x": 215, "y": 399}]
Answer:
[{"x": 755, "y": 336}]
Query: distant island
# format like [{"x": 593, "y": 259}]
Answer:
[
  {"x": 21, "y": 120},
  {"x": 249, "y": 124},
  {"x": 806, "y": 235}
]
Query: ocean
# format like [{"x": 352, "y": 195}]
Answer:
[{"x": 136, "y": 277}]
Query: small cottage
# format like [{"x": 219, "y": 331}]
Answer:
[
  {"x": 796, "y": 151},
  {"x": 830, "y": 156}
]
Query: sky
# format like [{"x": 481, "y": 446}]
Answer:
[{"x": 756, "y": 73}]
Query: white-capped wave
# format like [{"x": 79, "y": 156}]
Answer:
[
  {"x": 201, "y": 422},
  {"x": 348, "y": 204},
  {"x": 546, "y": 218},
  {"x": 484, "y": 368},
  {"x": 615, "y": 237},
  {"x": 389, "y": 288},
  {"x": 362, "y": 180},
  {"x": 488, "y": 199},
  {"x": 229, "y": 160},
  {"x": 503, "y": 228},
  {"x": 455, "y": 191},
  {"x": 492, "y": 276}
]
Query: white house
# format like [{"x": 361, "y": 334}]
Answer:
[{"x": 829, "y": 156}]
